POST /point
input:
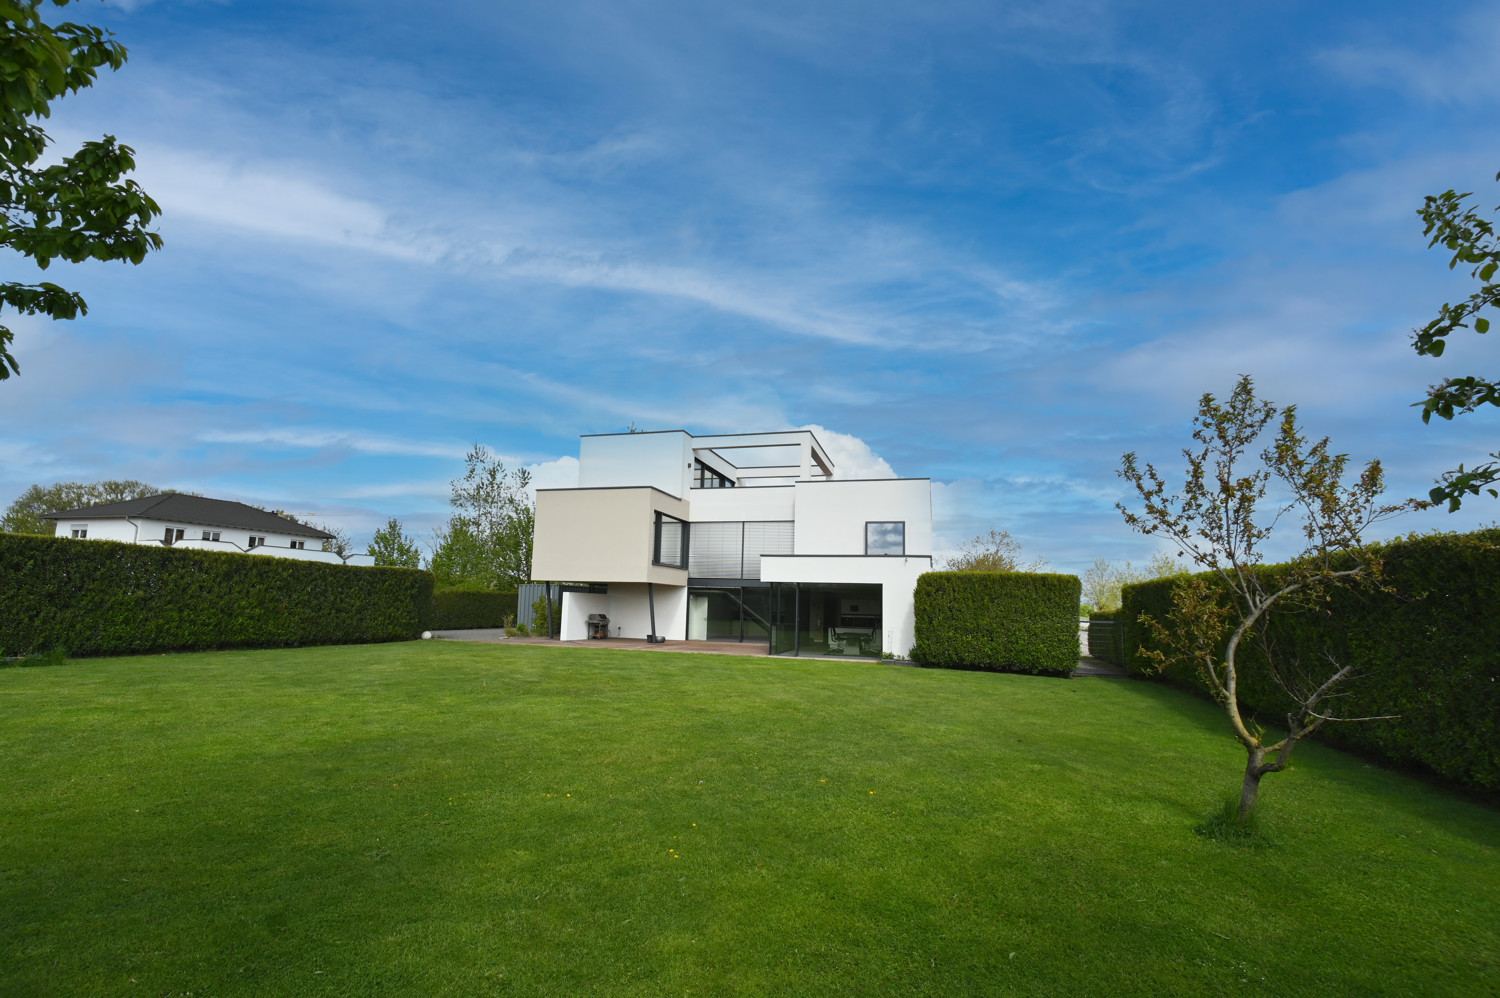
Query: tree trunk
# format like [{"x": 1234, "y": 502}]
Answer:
[{"x": 1250, "y": 790}]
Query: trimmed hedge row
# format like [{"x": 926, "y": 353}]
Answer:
[
  {"x": 457, "y": 609},
  {"x": 1002, "y": 621},
  {"x": 1429, "y": 652},
  {"x": 110, "y": 598}
]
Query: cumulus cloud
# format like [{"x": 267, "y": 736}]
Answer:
[
  {"x": 852, "y": 458},
  {"x": 561, "y": 473}
]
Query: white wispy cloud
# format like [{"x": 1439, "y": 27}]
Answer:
[
  {"x": 278, "y": 201},
  {"x": 314, "y": 438},
  {"x": 1457, "y": 69}
]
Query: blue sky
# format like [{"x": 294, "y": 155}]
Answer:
[{"x": 992, "y": 244}]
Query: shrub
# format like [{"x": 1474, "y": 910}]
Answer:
[
  {"x": 1428, "y": 652},
  {"x": 460, "y": 608},
  {"x": 540, "y": 615},
  {"x": 107, "y": 598},
  {"x": 1004, "y": 621}
]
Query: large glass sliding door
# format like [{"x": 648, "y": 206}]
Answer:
[
  {"x": 821, "y": 618},
  {"x": 729, "y": 613},
  {"x": 784, "y": 618},
  {"x": 756, "y": 604}
]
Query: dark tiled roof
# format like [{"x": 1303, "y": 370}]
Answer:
[{"x": 200, "y": 510}]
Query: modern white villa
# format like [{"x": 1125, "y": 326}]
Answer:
[
  {"x": 185, "y": 521},
  {"x": 742, "y": 537}
]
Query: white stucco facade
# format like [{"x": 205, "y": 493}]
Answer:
[{"x": 766, "y": 523}]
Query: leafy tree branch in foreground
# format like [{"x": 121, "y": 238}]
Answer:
[
  {"x": 1472, "y": 241},
  {"x": 1220, "y": 517},
  {"x": 80, "y": 209}
]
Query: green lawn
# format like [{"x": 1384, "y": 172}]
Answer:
[{"x": 431, "y": 818}]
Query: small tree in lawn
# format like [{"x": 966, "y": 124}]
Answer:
[{"x": 1220, "y": 517}]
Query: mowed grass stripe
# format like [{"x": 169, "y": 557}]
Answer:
[{"x": 440, "y": 818}]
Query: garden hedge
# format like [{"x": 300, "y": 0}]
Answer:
[
  {"x": 457, "y": 609},
  {"x": 1429, "y": 652},
  {"x": 109, "y": 598},
  {"x": 1003, "y": 621}
]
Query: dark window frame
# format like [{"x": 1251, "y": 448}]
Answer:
[
  {"x": 661, "y": 518},
  {"x": 708, "y": 478},
  {"x": 885, "y": 523}
]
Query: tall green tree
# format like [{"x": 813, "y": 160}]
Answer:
[
  {"x": 459, "y": 558},
  {"x": 24, "y": 514},
  {"x": 1471, "y": 240},
  {"x": 81, "y": 208},
  {"x": 497, "y": 510},
  {"x": 391, "y": 546},
  {"x": 1221, "y": 517}
]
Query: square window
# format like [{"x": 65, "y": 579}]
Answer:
[
  {"x": 210, "y": 535},
  {"x": 885, "y": 538},
  {"x": 256, "y": 542},
  {"x": 299, "y": 545},
  {"x": 80, "y": 530}
]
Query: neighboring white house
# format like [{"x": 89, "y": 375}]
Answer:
[
  {"x": 740, "y": 537},
  {"x": 184, "y": 521}
]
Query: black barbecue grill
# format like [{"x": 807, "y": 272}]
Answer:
[{"x": 598, "y": 626}]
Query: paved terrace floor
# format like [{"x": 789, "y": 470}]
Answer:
[{"x": 1086, "y": 666}]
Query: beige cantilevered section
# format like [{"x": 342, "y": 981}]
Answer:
[{"x": 602, "y": 535}]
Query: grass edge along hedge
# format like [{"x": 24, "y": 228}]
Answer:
[
  {"x": 458, "y": 608},
  {"x": 1000, "y": 621},
  {"x": 1429, "y": 652},
  {"x": 112, "y": 598}
]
